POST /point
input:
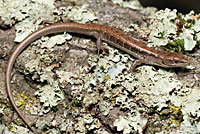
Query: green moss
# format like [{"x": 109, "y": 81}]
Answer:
[{"x": 175, "y": 46}]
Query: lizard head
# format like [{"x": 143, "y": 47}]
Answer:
[{"x": 173, "y": 59}]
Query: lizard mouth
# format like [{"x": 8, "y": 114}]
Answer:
[{"x": 181, "y": 64}]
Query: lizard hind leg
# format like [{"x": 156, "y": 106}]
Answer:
[
  {"x": 134, "y": 65},
  {"x": 100, "y": 47}
]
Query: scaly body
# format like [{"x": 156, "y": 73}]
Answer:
[{"x": 110, "y": 35}]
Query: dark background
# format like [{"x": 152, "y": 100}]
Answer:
[{"x": 183, "y": 6}]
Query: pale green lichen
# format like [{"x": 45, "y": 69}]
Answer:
[
  {"x": 67, "y": 125},
  {"x": 162, "y": 30},
  {"x": 1, "y": 109},
  {"x": 161, "y": 27},
  {"x": 53, "y": 131},
  {"x": 110, "y": 75},
  {"x": 188, "y": 127},
  {"x": 90, "y": 99},
  {"x": 21, "y": 130},
  {"x": 41, "y": 123},
  {"x": 190, "y": 33},
  {"x": 190, "y": 101},
  {"x": 134, "y": 4},
  {"x": 90, "y": 122},
  {"x": 3, "y": 128},
  {"x": 36, "y": 108},
  {"x": 153, "y": 87},
  {"x": 101, "y": 131},
  {"x": 109, "y": 64},
  {"x": 34, "y": 66},
  {"x": 189, "y": 42},
  {"x": 79, "y": 14},
  {"x": 65, "y": 77},
  {"x": 116, "y": 70},
  {"x": 55, "y": 40},
  {"x": 86, "y": 123},
  {"x": 50, "y": 95},
  {"x": 105, "y": 107},
  {"x": 127, "y": 123},
  {"x": 80, "y": 126},
  {"x": 63, "y": 126},
  {"x": 34, "y": 13},
  {"x": 11, "y": 11}
]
